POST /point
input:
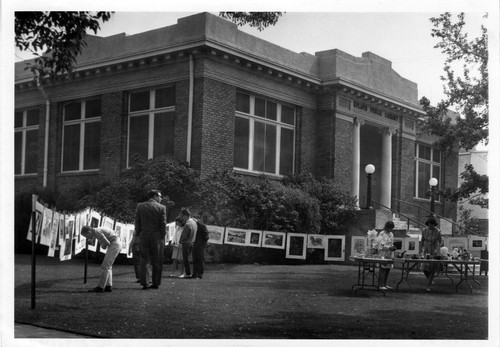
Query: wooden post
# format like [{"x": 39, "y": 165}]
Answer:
[{"x": 34, "y": 199}]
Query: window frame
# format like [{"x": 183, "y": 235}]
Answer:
[
  {"x": 150, "y": 112},
  {"x": 432, "y": 165},
  {"x": 279, "y": 125},
  {"x": 24, "y": 129},
  {"x": 81, "y": 122}
]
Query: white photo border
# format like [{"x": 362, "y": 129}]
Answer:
[
  {"x": 275, "y": 234},
  {"x": 289, "y": 237}
]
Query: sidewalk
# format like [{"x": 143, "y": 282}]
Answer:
[{"x": 23, "y": 331}]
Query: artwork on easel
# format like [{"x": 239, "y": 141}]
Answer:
[
  {"x": 296, "y": 246},
  {"x": 38, "y": 222},
  {"x": 46, "y": 227},
  {"x": 53, "y": 234}
]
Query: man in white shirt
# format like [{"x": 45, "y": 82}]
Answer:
[{"x": 187, "y": 239}]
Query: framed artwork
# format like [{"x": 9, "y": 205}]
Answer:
[
  {"x": 38, "y": 221},
  {"x": 215, "y": 234},
  {"x": 296, "y": 246},
  {"x": 335, "y": 247},
  {"x": 358, "y": 245},
  {"x": 254, "y": 238},
  {"x": 94, "y": 221},
  {"x": 62, "y": 227},
  {"x": 122, "y": 233},
  {"x": 53, "y": 234},
  {"x": 316, "y": 241},
  {"x": 67, "y": 244},
  {"x": 78, "y": 224},
  {"x": 46, "y": 227},
  {"x": 273, "y": 239},
  {"x": 477, "y": 243},
  {"x": 398, "y": 243},
  {"x": 170, "y": 237},
  {"x": 130, "y": 234},
  {"x": 411, "y": 245},
  {"x": 236, "y": 237},
  {"x": 107, "y": 222},
  {"x": 79, "y": 239}
]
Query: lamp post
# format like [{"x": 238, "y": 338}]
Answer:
[
  {"x": 432, "y": 182},
  {"x": 369, "y": 169}
]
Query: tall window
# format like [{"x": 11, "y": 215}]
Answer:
[
  {"x": 82, "y": 135},
  {"x": 427, "y": 165},
  {"x": 151, "y": 123},
  {"x": 26, "y": 141},
  {"x": 264, "y": 135}
]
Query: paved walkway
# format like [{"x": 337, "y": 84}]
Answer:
[{"x": 22, "y": 331}]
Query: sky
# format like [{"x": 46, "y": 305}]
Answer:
[{"x": 404, "y": 38}]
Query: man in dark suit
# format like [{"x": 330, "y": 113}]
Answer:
[{"x": 150, "y": 226}]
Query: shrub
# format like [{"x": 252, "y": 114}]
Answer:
[{"x": 177, "y": 182}]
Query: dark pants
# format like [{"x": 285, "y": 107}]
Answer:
[
  {"x": 186, "y": 251},
  {"x": 136, "y": 261},
  {"x": 151, "y": 244},
  {"x": 198, "y": 260}
]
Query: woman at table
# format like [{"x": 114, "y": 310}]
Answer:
[
  {"x": 431, "y": 245},
  {"x": 386, "y": 247}
]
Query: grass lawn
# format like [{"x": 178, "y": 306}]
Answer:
[{"x": 247, "y": 302}]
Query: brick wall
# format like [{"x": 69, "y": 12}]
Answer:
[
  {"x": 181, "y": 118},
  {"x": 343, "y": 153},
  {"x": 113, "y": 127},
  {"x": 306, "y": 141},
  {"x": 325, "y": 137},
  {"x": 216, "y": 126}
]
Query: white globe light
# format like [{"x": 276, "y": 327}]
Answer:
[
  {"x": 433, "y": 182},
  {"x": 369, "y": 169}
]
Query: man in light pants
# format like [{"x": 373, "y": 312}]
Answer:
[{"x": 110, "y": 240}]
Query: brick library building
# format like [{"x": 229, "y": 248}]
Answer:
[{"x": 204, "y": 92}]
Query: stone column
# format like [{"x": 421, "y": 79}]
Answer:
[
  {"x": 356, "y": 139},
  {"x": 386, "y": 168}
]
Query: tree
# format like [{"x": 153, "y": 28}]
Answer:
[
  {"x": 259, "y": 20},
  {"x": 55, "y": 38},
  {"x": 466, "y": 92}
]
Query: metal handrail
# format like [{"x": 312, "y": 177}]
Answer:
[
  {"x": 438, "y": 216},
  {"x": 408, "y": 218}
]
